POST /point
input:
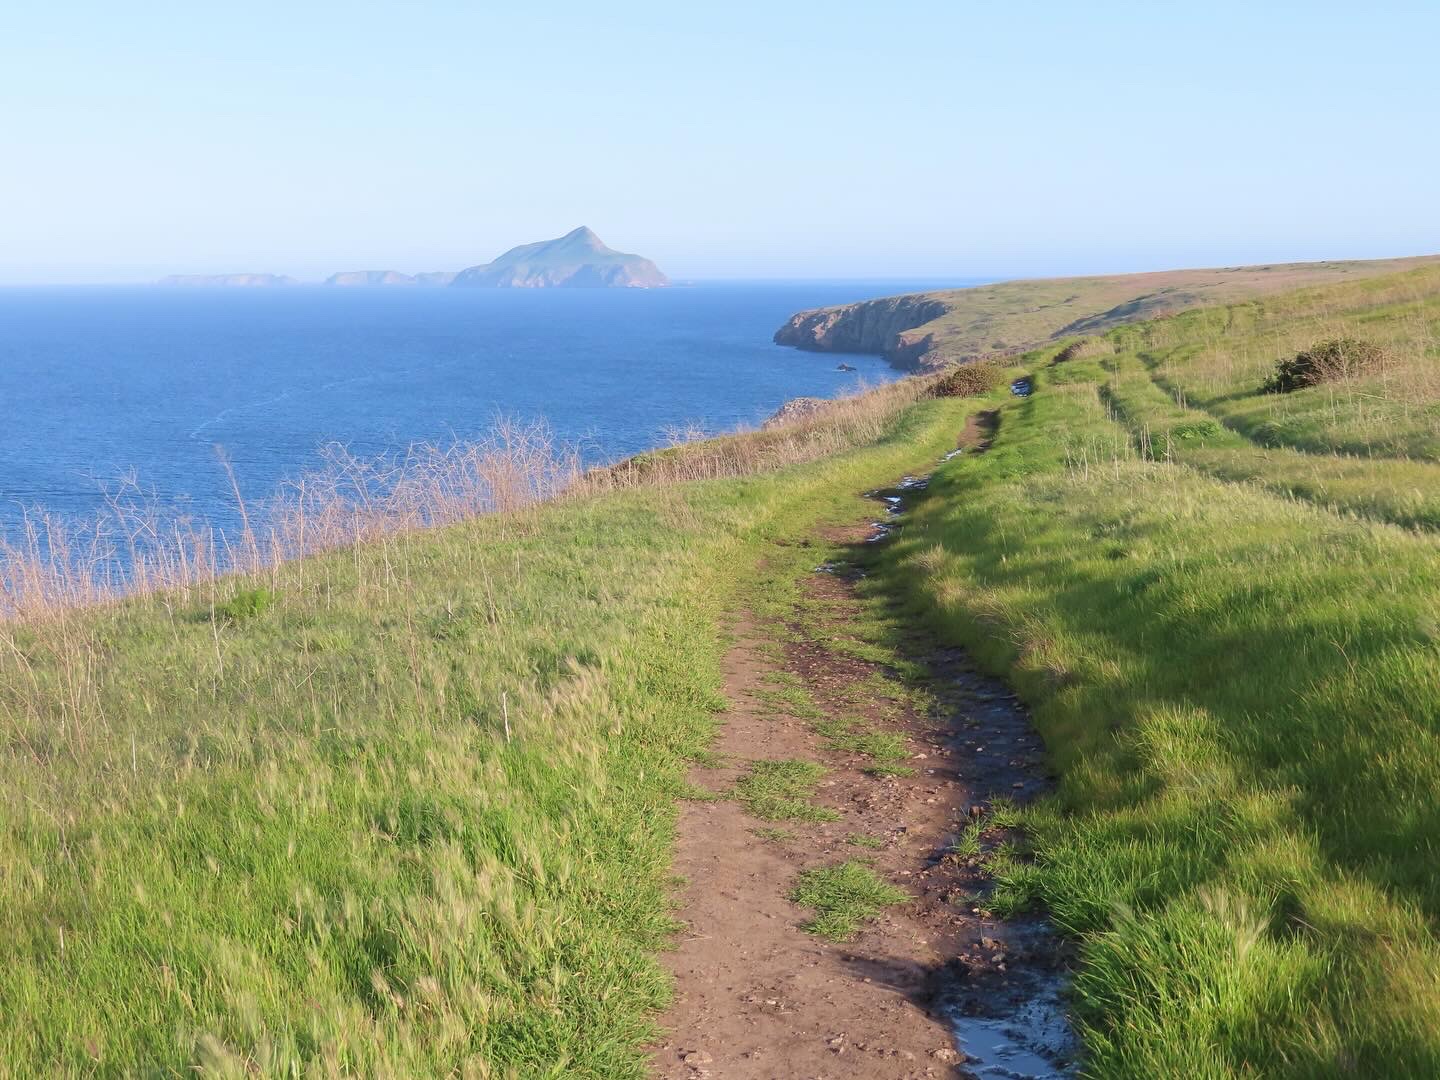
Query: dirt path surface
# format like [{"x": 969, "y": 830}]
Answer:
[{"x": 758, "y": 996}]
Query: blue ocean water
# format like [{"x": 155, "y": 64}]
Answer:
[{"x": 100, "y": 383}]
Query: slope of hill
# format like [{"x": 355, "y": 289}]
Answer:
[
  {"x": 931, "y": 330},
  {"x": 1224, "y": 607},
  {"x": 407, "y": 808},
  {"x": 579, "y": 259}
]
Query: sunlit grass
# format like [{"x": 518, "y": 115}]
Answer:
[
  {"x": 845, "y": 897},
  {"x": 1233, "y": 653},
  {"x": 782, "y": 790},
  {"x": 403, "y": 808}
]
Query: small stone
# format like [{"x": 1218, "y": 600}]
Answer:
[{"x": 697, "y": 1057}]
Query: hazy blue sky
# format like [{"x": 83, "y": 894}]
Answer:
[{"x": 763, "y": 139}]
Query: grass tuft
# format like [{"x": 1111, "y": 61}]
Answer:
[
  {"x": 781, "y": 791},
  {"x": 845, "y": 897},
  {"x": 245, "y": 604}
]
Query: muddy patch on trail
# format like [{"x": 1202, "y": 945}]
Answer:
[
  {"x": 1003, "y": 992},
  {"x": 917, "y": 775},
  {"x": 1000, "y": 987},
  {"x": 977, "y": 435}
]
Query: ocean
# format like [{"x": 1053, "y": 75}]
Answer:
[{"x": 153, "y": 386}]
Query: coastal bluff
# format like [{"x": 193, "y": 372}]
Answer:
[
  {"x": 888, "y": 327},
  {"x": 932, "y": 330}
]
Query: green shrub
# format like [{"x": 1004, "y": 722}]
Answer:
[
  {"x": 1328, "y": 361},
  {"x": 969, "y": 380},
  {"x": 245, "y": 604}
]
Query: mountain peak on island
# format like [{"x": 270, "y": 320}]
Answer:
[
  {"x": 585, "y": 235},
  {"x": 579, "y": 259}
]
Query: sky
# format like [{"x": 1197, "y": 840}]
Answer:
[{"x": 779, "y": 139}]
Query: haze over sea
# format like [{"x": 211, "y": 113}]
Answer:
[{"x": 100, "y": 383}]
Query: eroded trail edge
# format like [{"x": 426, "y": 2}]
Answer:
[{"x": 836, "y": 861}]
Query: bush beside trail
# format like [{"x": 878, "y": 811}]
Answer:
[
  {"x": 1334, "y": 360},
  {"x": 969, "y": 380}
]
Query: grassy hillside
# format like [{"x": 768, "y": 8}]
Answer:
[
  {"x": 399, "y": 810},
  {"x": 1016, "y": 315},
  {"x": 406, "y": 808},
  {"x": 1012, "y": 316},
  {"x": 1231, "y": 634}
]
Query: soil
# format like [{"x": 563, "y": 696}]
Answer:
[
  {"x": 756, "y": 995},
  {"x": 979, "y": 431}
]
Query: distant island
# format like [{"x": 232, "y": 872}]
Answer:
[
  {"x": 364, "y": 278},
  {"x": 577, "y": 260},
  {"x": 233, "y": 281}
]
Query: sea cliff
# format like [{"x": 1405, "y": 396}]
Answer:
[{"x": 892, "y": 327}]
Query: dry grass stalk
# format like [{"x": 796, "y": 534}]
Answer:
[{"x": 51, "y": 566}]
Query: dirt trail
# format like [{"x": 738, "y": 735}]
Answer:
[{"x": 757, "y": 996}]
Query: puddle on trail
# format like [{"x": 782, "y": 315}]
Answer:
[
  {"x": 894, "y": 500},
  {"x": 1009, "y": 1024},
  {"x": 879, "y": 530},
  {"x": 1018, "y": 1037},
  {"x": 841, "y": 570}
]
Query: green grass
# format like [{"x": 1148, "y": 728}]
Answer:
[
  {"x": 1402, "y": 491},
  {"x": 408, "y": 809},
  {"x": 1215, "y": 360},
  {"x": 874, "y": 843},
  {"x": 245, "y": 604},
  {"x": 791, "y": 700},
  {"x": 1237, "y": 680},
  {"x": 967, "y": 845},
  {"x": 885, "y": 750},
  {"x": 845, "y": 897},
  {"x": 781, "y": 791},
  {"x": 414, "y": 817}
]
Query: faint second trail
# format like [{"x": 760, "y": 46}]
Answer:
[{"x": 932, "y": 987}]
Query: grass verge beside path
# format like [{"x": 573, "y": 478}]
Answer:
[
  {"x": 1240, "y": 693},
  {"x": 410, "y": 816}
]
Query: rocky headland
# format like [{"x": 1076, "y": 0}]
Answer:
[{"x": 888, "y": 327}]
